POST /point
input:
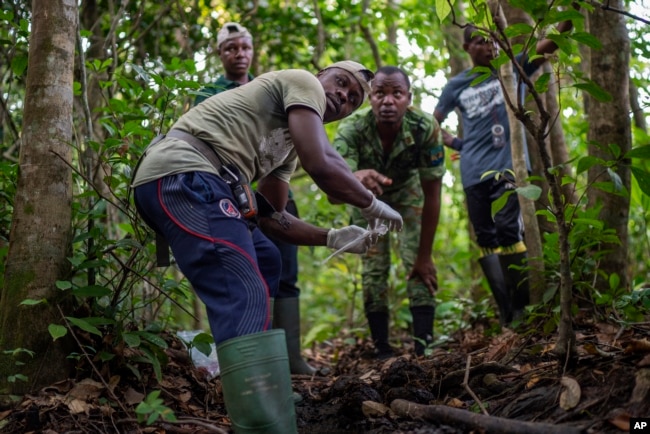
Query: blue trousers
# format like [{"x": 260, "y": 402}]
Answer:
[{"x": 233, "y": 267}]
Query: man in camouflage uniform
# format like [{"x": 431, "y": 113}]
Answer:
[{"x": 396, "y": 151}]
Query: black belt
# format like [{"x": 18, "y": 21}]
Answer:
[
  {"x": 162, "y": 247},
  {"x": 198, "y": 144}
]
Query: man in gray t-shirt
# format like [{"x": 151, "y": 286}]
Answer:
[{"x": 485, "y": 147}]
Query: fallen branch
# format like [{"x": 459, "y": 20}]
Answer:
[
  {"x": 469, "y": 389},
  {"x": 472, "y": 421}
]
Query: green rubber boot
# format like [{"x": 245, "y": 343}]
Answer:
[{"x": 256, "y": 383}]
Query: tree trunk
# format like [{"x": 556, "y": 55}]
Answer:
[
  {"x": 528, "y": 211},
  {"x": 610, "y": 125},
  {"x": 40, "y": 238}
]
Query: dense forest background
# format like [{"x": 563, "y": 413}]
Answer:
[{"x": 75, "y": 260}]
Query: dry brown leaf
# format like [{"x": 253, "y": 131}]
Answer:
[
  {"x": 78, "y": 406},
  {"x": 620, "y": 419},
  {"x": 132, "y": 396},
  {"x": 455, "y": 403},
  {"x": 570, "y": 396},
  {"x": 185, "y": 396},
  {"x": 374, "y": 409},
  {"x": 86, "y": 389},
  {"x": 637, "y": 346},
  {"x": 533, "y": 380}
]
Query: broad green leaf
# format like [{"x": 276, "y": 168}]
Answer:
[
  {"x": 586, "y": 163},
  {"x": 642, "y": 177},
  {"x": 18, "y": 65},
  {"x": 541, "y": 84},
  {"x": 587, "y": 39},
  {"x": 589, "y": 222},
  {"x": 155, "y": 363},
  {"x": 518, "y": 29},
  {"x": 562, "y": 42},
  {"x": 443, "y": 9},
  {"x": 594, "y": 90},
  {"x": 57, "y": 331},
  {"x": 531, "y": 191},
  {"x": 84, "y": 325},
  {"x": 614, "y": 281},
  {"x": 608, "y": 187},
  {"x": 32, "y": 302},
  {"x": 132, "y": 339},
  {"x": 92, "y": 291},
  {"x": 154, "y": 339},
  {"x": 498, "y": 204},
  {"x": 642, "y": 152}
]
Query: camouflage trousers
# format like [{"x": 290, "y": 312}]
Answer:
[{"x": 377, "y": 262}]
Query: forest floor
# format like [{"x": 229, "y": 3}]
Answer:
[{"x": 509, "y": 382}]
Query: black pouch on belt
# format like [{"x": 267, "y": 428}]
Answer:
[{"x": 241, "y": 189}]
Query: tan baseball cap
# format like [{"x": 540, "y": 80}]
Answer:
[
  {"x": 360, "y": 72},
  {"x": 232, "y": 31}
]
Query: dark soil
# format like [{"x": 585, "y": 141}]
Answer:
[{"x": 508, "y": 383}]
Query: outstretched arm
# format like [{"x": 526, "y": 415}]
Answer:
[
  {"x": 323, "y": 164},
  {"x": 276, "y": 222},
  {"x": 331, "y": 173}
]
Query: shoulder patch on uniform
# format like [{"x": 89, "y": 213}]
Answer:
[{"x": 228, "y": 208}]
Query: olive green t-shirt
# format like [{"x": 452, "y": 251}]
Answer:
[{"x": 247, "y": 127}]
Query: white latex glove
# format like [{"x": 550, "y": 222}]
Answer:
[
  {"x": 378, "y": 211},
  {"x": 351, "y": 239}
]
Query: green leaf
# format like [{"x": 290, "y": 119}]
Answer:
[
  {"x": 518, "y": 29},
  {"x": 586, "y": 163},
  {"x": 597, "y": 224},
  {"x": 498, "y": 204},
  {"x": 57, "y": 331},
  {"x": 63, "y": 284},
  {"x": 83, "y": 325},
  {"x": 642, "y": 152},
  {"x": 562, "y": 42},
  {"x": 614, "y": 281},
  {"x": 541, "y": 84},
  {"x": 594, "y": 90},
  {"x": 587, "y": 39},
  {"x": 92, "y": 291},
  {"x": 443, "y": 9},
  {"x": 132, "y": 339},
  {"x": 155, "y": 363},
  {"x": 642, "y": 177},
  {"x": 154, "y": 339},
  {"x": 18, "y": 65},
  {"x": 32, "y": 302},
  {"x": 531, "y": 191}
]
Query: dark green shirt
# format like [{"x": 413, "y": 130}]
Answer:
[
  {"x": 417, "y": 153},
  {"x": 222, "y": 84}
]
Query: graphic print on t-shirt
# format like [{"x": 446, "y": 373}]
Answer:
[
  {"x": 482, "y": 100},
  {"x": 274, "y": 149}
]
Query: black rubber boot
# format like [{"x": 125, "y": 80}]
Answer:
[
  {"x": 286, "y": 315},
  {"x": 422, "y": 327},
  {"x": 516, "y": 280},
  {"x": 494, "y": 274},
  {"x": 378, "y": 323}
]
